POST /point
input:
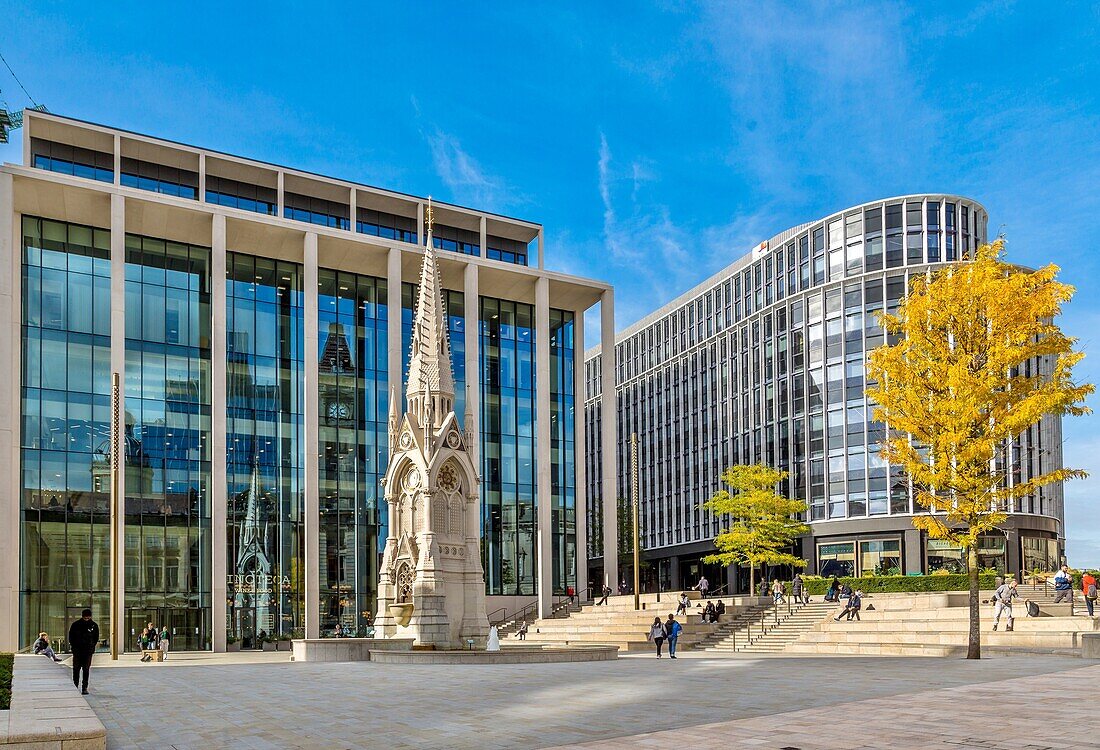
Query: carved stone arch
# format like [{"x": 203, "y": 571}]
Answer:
[{"x": 403, "y": 582}]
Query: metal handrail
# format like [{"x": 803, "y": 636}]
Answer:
[{"x": 502, "y": 620}]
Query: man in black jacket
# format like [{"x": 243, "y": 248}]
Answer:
[{"x": 83, "y": 639}]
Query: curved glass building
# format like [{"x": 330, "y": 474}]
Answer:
[{"x": 764, "y": 363}]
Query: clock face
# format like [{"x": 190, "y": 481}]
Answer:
[{"x": 338, "y": 410}]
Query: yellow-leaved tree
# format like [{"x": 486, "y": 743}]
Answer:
[
  {"x": 761, "y": 523},
  {"x": 979, "y": 360}
]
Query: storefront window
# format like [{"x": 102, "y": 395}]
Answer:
[
  {"x": 1040, "y": 554},
  {"x": 991, "y": 553},
  {"x": 836, "y": 559},
  {"x": 943, "y": 555},
  {"x": 882, "y": 558}
]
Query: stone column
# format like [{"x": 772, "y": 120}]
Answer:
[
  {"x": 280, "y": 198},
  {"x": 580, "y": 479},
  {"x": 913, "y": 551},
  {"x": 483, "y": 238},
  {"x": 117, "y": 157},
  {"x": 202, "y": 178},
  {"x": 541, "y": 253},
  {"x": 310, "y": 433},
  {"x": 609, "y": 447},
  {"x": 544, "y": 501},
  {"x": 419, "y": 224},
  {"x": 11, "y": 317},
  {"x": 118, "y": 364},
  {"x": 219, "y": 481},
  {"x": 393, "y": 326}
]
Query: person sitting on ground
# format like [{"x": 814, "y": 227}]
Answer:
[
  {"x": 855, "y": 602},
  {"x": 683, "y": 604},
  {"x": 521, "y": 633},
  {"x": 708, "y": 612},
  {"x": 42, "y": 646},
  {"x": 844, "y": 592},
  {"x": 719, "y": 610}
]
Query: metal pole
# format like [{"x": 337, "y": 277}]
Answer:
[
  {"x": 116, "y": 460},
  {"x": 634, "y": 492}
]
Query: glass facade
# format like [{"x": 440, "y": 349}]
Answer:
[
  {"x": 507, "y": 360},
  {"x": 167, "y": 434},
  {"x": 765, "y": 363},
  {"x": 563, "y": 490},
  {"x": 352, "y": 370},
  {"x": 66, "y": 387},
  {"x": 265, "y": 460}
]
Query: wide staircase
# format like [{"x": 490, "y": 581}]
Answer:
[
  {"x": 938, "y": 625},
  {"x": 769, "y": 629},
  {"x": 618, "y": 623}
]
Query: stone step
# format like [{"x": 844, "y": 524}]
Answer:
[
  {"x": 999, "y": 638},
  {"x": 875, "y": 649}
]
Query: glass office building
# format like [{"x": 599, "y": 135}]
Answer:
[
  {"x": 764, "y": 363},
  {"x": 257, "y": 317}
]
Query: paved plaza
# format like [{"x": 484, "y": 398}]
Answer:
[{"x": 698, "y": 702}]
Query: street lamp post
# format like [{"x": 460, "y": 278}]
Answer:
[{"x": 634, "y": 493}]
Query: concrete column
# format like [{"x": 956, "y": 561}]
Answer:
[
  {"x": 913, "y": 551},
  {"x": 117, "y": 155},
  {"x": 544, "y": 501},
  {"x": 312, "y": 444},
  {"x": 118, "y": 364},
  {"x": 393, "y": 325},
  {"x": 541, "y": 254},
  {"x": 11, "y": 317},
  {"x": 472, "y": 301},
  {"x": 609, "y": 445},
  {"x": 280, "y": 197},
  {"x": 419, "y": 223},
  {"x": 219, "y": 481},
  {"x": 353, "y": 209},
  {"x": 580, "y": 479},
  {"x": 202, "y": 178},
  {"x": 674, "y": 573},
  {"x": 483, "y": 238}
]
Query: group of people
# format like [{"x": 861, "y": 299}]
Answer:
[
  {"x": 662, "y": 632},
  {"x": 1063, "y": 588},
  {"x": 153, "y": 638}
]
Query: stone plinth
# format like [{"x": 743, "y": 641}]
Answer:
[
  {"x": 47, "y": 712},
  {"x": 1090, "y": 645},
  {"x": 507, "y": 655},
  {"x": 346, "y": 649}
]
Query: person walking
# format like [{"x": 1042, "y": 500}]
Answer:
[
  {"x": 83, "y": 639},
  {"x": 606, "y": 593},
  {"x": 1088, "y": 588},
  {"x": 777, "y": 591},
  {"x": 683, "y": 604},
  {"x": 657, "y": 635},
  {"x": 673, "y": 630},
  {"x": 571, "y": 593},
  {"x": 150, "y": 638},
  {"x": 703, "y": 586},
  {"x": 1063, "y": 587},
  {"x": 797, "y": 589},
  {"x": 164, "y": 643},
  {"x": 1002, "y": 604},
  {"x": 42, "y": 646}
]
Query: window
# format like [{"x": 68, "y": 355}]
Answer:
[
  {"x": 837, "y": 559},
  {"x": 943, "y": 555},
  {"x": 882, "y": 558}
]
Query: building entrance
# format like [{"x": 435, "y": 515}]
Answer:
[{"x": 187, "y": 627}]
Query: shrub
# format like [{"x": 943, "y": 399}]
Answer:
[
  {"x": 902, "y": 584},
  {"x": 7, "y": 663}
]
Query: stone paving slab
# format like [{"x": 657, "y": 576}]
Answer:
[{"x": 367, "y": 705}]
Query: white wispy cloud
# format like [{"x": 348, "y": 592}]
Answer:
[{"x": 468, "y": 182}]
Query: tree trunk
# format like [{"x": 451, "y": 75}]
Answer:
[
  {"x": 974, "y": 646},
  {"x": 752, "y": 579}
]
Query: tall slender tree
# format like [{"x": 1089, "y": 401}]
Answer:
[
  {"x": 761, "y": 523},
  {"x": 976, "y": 359}
]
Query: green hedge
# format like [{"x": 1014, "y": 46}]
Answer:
[
  {"x": 7, "y": 661},
  {"x": 902, "y": 584}
]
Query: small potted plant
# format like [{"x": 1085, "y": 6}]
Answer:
[
  {"x": 232, "y": 644},
  {"x": 267, "y": 643},
  {"x": 283, "y": 642}
]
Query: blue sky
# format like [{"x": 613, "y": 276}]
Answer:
[{"x": 655, "y": 142}]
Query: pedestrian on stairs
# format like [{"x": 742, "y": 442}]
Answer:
[
  {"x": 777, "y": 591},
  {"x": 1002, "y": 603},
  {"x": 521, "y": 633},
  {"x": 703, "y": 586},
  {"x": 1063, "y": 587},
  {"x": 657, "y": 635},
  {"x": 683, "y": 604},
  {"x": 797, "y": 589},
  {"x": 606, "y": 593},
  {"x": 673, "y": 629},
  {"x": 571, "y": 593},
  {"x": 855, "y": 603},
  {"x": 1088, "y": 588}
]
